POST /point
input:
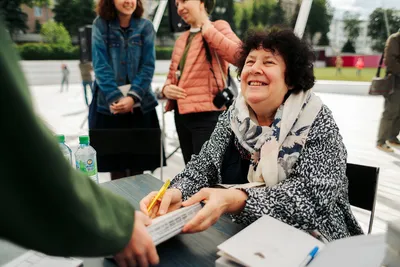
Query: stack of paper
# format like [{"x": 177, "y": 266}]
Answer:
[{"x": 171, "y": 224}]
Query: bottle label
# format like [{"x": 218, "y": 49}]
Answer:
[{"x": 89, "y": 166}]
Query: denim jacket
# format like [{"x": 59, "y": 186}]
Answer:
[{"x": 129, "y": 54}]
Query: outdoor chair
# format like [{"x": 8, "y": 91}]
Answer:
[{"x": 363, "y": 184}]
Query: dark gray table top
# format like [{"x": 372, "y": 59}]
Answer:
[{"x": 184, "y": 250}]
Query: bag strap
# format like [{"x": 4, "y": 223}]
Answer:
[
  {"x": 209, "y": 59},
  {"x": 378, "y": 72},
  {"x": 222, "y": 73}
]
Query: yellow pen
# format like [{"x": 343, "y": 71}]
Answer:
[{"x": 159, "y": 195}]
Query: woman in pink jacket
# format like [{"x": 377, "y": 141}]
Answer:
[{"x": 194, "y": 80}]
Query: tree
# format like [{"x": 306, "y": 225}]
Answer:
[
  {"x": 295, "y": 15},
  {"x": 277, "y": 15},
  {"x": 55, "y": 33},
  {"x": 244, "y": 23},
  {"x": 39, "y": 3},
  {"x": 224, "y": 9},
  {"x": 86, "y": 12},
  {"x": 377, "y": 29},
  {"x": 15, "y": 19},
  {"x": 348, "y": 47},
  {"x": 74, "y": 14},
  {"x": 255, "y": 14},
  {"x": 351, "y": 26},
  {"x": 265, "y": 12},
  {"x": 164, "y": 30},
  {"x": 324, "y": 40},
  {"x": 66, "y": 13},
  {"x": 38, "y": 26},
  {"x": 319, "y": 19}
]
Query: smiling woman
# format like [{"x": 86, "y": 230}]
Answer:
[
  {"x": 123, "y": 55},
  {"x": 278, "y": 142}
]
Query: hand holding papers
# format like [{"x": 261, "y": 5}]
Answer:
[{"x": 171, "y": 224}]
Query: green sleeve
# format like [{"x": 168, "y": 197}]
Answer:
[{"x": 45, "y": 204}]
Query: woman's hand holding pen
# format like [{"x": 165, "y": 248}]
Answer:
[
  {"x": 174, "y": 92},
  {"x": 123, "y": 105},
  {"x": 172, "y": 200}
]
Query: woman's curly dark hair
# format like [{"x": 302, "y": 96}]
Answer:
[
  {"x": 296, "y": 53},
  {"x": 107, "y": 10}
]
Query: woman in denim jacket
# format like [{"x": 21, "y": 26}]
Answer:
[{"x": 123, "y": 54}]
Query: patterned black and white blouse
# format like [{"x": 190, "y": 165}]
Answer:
[{"x": 314, "y": 197}]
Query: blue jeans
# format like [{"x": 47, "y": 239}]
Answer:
[{"x": 84, "y": 90}]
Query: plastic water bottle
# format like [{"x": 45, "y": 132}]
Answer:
[
  {"x": 66, "y": 151},
  {"x": 85, "y": 158}
]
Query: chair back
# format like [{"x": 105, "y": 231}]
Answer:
[{"x": 363, "y": 183}]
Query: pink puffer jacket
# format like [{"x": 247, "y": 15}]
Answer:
[{"x": 197, "y": 79}]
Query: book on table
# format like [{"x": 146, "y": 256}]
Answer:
[{"x": 270, "y": 242}]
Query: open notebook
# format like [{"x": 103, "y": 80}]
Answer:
[{"x": 270, "y": 242}]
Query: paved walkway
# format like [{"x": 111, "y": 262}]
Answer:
[{"x": 357, "y": 116}]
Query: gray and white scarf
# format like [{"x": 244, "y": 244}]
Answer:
[{"x": 275, "y": 149}]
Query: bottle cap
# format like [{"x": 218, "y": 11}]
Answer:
[
  {"x": 84, "y": 140},
  {"x": 61, "y": 138}
]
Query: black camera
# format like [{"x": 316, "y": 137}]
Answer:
[{"x": 223, "y": 98}]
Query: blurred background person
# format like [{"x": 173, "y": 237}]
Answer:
[
  {"x": 123, "y": 54},
  {"x": 193, "y": 82},
  {"x": 359, "y": 66},
  {"x": 65, "y": 77},
  {"x": 339, "y": 64},
  {"x": 86, "y": 69},
  {"x": 389, "y": 127}
]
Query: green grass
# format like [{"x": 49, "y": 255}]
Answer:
[
  {"x": 329, "y": 73},
  {"x": 348, "y": 74}
]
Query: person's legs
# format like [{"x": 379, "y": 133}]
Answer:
[
  {"x": 62, "y": 85},
  {"x": 388, "y": 120},
  {"x": 395, "y": 129},
  {"x": 201, "y": 128},
  {"x": 184, "y": 135},
  {"x": 67, "y": 83}
]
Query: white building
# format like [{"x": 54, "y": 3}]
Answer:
[{"x": 338, "y": 37}]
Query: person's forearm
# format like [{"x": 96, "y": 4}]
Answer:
[{"x": 45, "y": 204}]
